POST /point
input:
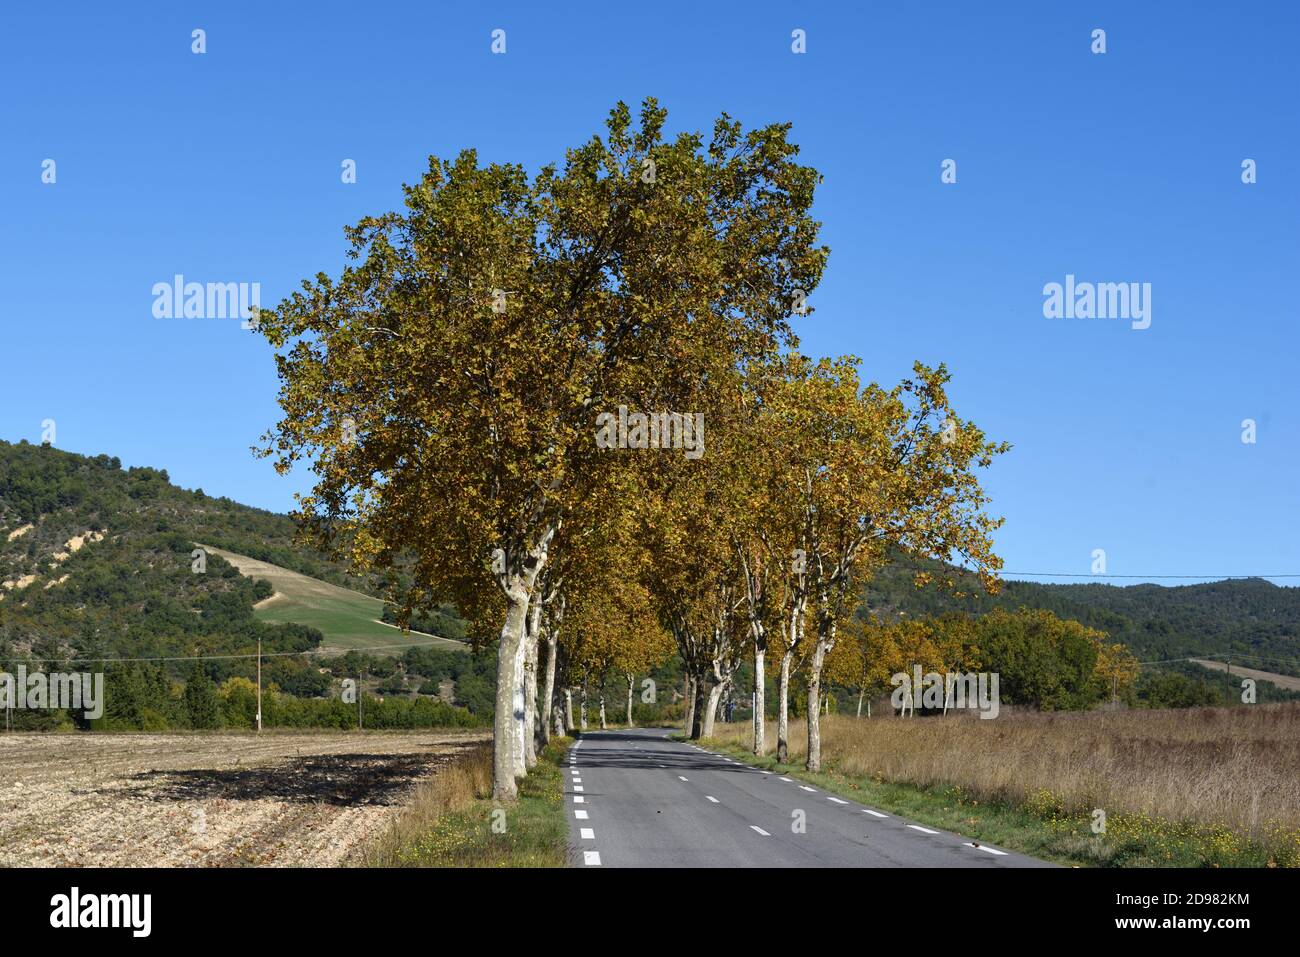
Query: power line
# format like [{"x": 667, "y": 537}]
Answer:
[{"x": 269, "y": 654}]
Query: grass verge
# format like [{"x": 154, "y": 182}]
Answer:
[
  {"x": 453, "y": 822},
  {"x": 1042, "y": 827}
]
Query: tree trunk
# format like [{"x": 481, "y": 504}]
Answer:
[
  {"x": 533, "y": 641},
  {"x": 783, "y": 711},
  {"x": 814, "y": 762},
  {"x": 518, "y": 704},
  {"x": 697, "y": 713},
  {"x": 760, "y": 704},
  {"x": 861, "y": 693},
  {"x": 568, "y": 710},
  {"x": 688, "y": 705},
  {"x": 711, "y": 711},
  {"x": 503, "y": 724},
  {"x": 582, "y": 707},
  {"x": 602, "y": 708},
  {"x": 548, "y": 687},
  {"x": 631, "y": 682}
]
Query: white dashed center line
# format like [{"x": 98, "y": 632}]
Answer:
[
  {"x": 713, "y": 799},
  {"x": 755, "y": 827},
  {"x": 680, "y": 778},
  {"x": 923, "y": 830}
]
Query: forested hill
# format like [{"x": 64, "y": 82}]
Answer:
[
  {"x": 95, "y": 559},
  {"x": 1253, "y": 620}
]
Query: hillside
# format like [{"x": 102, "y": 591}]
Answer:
[
  {"x": 348, "y": 619},
  {"x": 96, "y": 560},
  {"x": 1254, "y": 621}
]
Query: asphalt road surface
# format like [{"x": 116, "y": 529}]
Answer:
[{"x": 636, "y": 799}]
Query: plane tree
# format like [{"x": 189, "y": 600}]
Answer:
[{"x": 443, "y": 388}]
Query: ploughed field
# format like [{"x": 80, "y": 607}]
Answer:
[{"x": 289, "y": 799}]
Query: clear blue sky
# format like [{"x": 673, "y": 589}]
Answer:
[{"x": 1116, "y": 167}]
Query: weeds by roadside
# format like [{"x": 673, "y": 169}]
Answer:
[{"x": 453, "y": 822}]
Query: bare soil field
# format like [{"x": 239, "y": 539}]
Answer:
[{"x": 280, "y": 799}]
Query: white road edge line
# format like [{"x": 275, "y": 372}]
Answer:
[
  {"x": 580, "y": 815},
  {"x": 755, "y": 827},
  {"x": 867, "y": 810},
  {"x": 591, "y": 857},
  {"x": 713, "y": 799},
  {"x": 837, "y": 800},
  {"x": 579, "y": 799},
  {"x": 923, "y": 830},
  {"x": 588, "y": 834},
  {"x": 807, "y": 788},
  {"x": 680, "y": 778},
  {"x": 991, "y": 850}
]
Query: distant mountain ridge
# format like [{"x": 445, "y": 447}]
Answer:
[
  {"x": 127, "y": 587},
  {"x": 1252, "y": 620}
]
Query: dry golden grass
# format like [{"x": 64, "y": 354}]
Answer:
[
  {"x": 1237, "y": 768},
  {"x": 454, "y": 789}
]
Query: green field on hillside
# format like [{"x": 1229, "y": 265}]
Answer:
[{"x": 348, "y": 619}]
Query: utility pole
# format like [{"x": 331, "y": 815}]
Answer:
[{"x": 259, "y": 685}]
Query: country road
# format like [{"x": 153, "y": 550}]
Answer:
[{"x": 637, "y": 799}]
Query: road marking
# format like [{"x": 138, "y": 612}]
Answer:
[
  {"x": 713, "y": 799},
  {"x": 807, "y": 788},
  {"x": 867, "y": 810},
  {"x": 580, "y": 815},
  {"x": 787, "y": 781},
  {"x": 991, "y": 850},
  {"x": 579, "y": 799},
  {"x": 680, "y": 778},
  {"x": 923, "y": 830},
  {"x": 762, "y": 772},
  {"x": 577, "y": 787},
  {"x": 837, "y": 800},
  {"x": 588, "y": 834},
  {"x": 591, "y": 857},
  {"x": 755, "y": 827}
]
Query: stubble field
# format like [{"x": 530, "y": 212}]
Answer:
[{"x": 307, "y": 799}]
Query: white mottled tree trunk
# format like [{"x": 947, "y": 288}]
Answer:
[
  {"x": 689, "y": 706},
  {"x": 531, "y": 642},
  {"x": 631, "y": 683},
  {"x": 582, "y": 707},
  {"x": 568, "y": 710},
  {"x": 602, "y": 709},
  {"x": 814, "y": 762},
  {"x": 783, "y": 711},
  {"x": 711, "y": 709},
  {"x": 548, "y": 687},
  {"x": 503, "y": 725},
  {"x": 760, "y": 703}
]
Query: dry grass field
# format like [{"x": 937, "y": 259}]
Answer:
[
  {"x": 277, "y": 799},
  {"x": 1237, "y": 768}
]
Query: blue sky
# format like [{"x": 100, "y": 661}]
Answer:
[{"x": 1119, "y": 167}]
